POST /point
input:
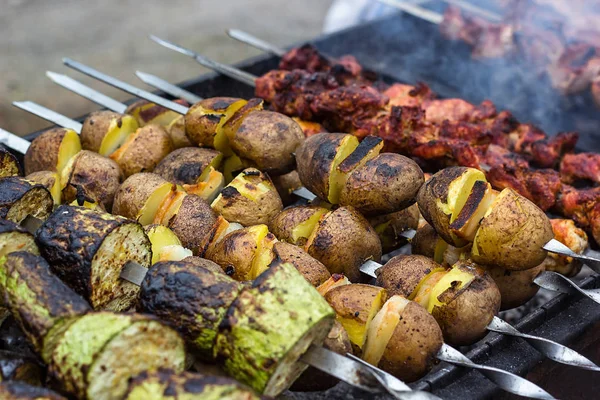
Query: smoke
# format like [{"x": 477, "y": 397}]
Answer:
[{"x": 411, "y": 50}]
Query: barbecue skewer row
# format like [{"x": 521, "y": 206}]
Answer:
[
  {"x": 66, "y": 220},
  {"x": 54, "y": 224},
  {"x": 576, "y": 203}
]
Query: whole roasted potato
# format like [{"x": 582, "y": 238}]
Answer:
[
  {"x": 9, "y": 166},
  {"x": 143, "y": 150},
  {"x": 105, "y": 131},
  {"x": 313, "y": 270},
  {"x": 269, "y": 140},
  {"x": 141, "y": 193},
  {"x": 186, "y": 165},
  {"x": 516, "y": 287},
  {"x": 403, "y": 339},
  {"x": 97, "y": 176},
  {"x": 317, "y": 160},
  {"x": 389, "y": 227},
  {"x": 512, "y": 233},
  {"x": 385, "y": 184},
  {"x": 250, "y": 199},
  {"x": 296, "y": 224},
  {"x": 192, "y": 221},
  {"x": 402, "y": 274},
  {"x": 51, "y": 150},
  {"x": 425, "y": 242},
  {"x": 442, "y": 198},
  {"x": 204, "y": 121},
  {"x": 355, "y": 306},
  {"x": 343, "y": 240}
]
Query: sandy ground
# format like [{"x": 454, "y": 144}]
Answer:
[{"x": 111, "y": 35}]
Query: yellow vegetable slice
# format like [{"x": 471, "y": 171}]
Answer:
[
  {"x": 69, "y": 146},
  {"x": 148, "y": 211},
  {"x": 306, "y": 228},
  {"x": 118, "y": 133},
  {"x": 336, "y": 177},
  {"x": 453, "y": 278},
  {"x": 264, "y": 254}
]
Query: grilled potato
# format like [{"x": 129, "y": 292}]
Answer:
[
  {"x": 268, "y": 139},
  {"x": 97, "y": 176},
  {"x": 403, "y": 339},
  {"x": 516, "y": 287},
  {"x": 285, "y": 185},
  {"x": 387, "y": 183},
  {"x": 193, "y": 220},
  {"x": 313, "y": 270},
  {"x": 166, "y": 246},
  {"x": 443, "y": 197},
  {"x": 52, "y": 150},
  {"x": 250, "y": 199},
  {"x": 296, "y": 224},
  {"x": 355, "y": 306},
  {"x": 317, "y": 160},
  {"x": 9, "y": 166},
  {"x": 343, "y": 240},
  {"x": 512, "y": 233},
  {"x": 204, "y": 122},
  {"x": 140, "y": 196},
  {"x": 20, "y": 198},
  {"x": 147, "y": 113},
  {"x": 88, "y": 249},
  {"x": 106, "y": 131},
  {"x": 402, "y": 274},
  {"x": 143, "y": 150}
]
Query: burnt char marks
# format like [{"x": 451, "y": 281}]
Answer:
[
  {"x": 477, "y": 192},
  {"x": 350, "y": 162}
]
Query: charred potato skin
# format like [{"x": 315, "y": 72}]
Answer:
[
  {"x": 269, "y": 140},
  {"x": 193, "y": 222},
  {"x": 150, "y": 145},
  {"x": 513, "y": 234},
  {"x": 313, "y": 270},
  {"x": 201, "y": 128},
  {"x": 401, "y": 274},
  {"x": 437, "y": 188},
  {"x": 133, "y": 193},
  {"x": 344, "y": 240},
  {"x": 49, "y": 298},
  {"x": 9, "y": 166},
  {"x": 516, "y": 287},
  {"x": 387, "y": 183},
  {"x": 99, "y": 177},
  {"x": 410, "y": 353},
  {"x": 234, "y": 253},
  {"x": 465, "y": 316},
  {"x": 284, "y": 222},
  {"x": 236, "y": 207},
  {"x": 314, "y": 159},
  {"x": 424, "y": 241},
  {"x": 185, "y": 165},
  {"x": 42, "y": 154},
  {"x": 203, "y": 263},
  {"x": 191, "y": 299},
  {"x": 13, "y": 188}
]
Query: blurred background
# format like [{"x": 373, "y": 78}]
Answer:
[{"x": 111, "y": 35}]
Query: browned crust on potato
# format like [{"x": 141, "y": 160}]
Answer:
[
  {"x": 42, "y": 154},
  {"x": 313, "y": 270},
  {"x": 353, "y": 160},
  {"x": 477, "y": 194},
  {"x": 95, "y": 128},
  {"x": 150, "y": 145},
  {"x": 133, "y": 193},
  {"x": 401, "y": 274},
  {"x": 184, "y": 166},
  {"x": 193, "y": 222}
]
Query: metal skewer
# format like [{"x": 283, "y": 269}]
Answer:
[
  {"x": 472, "y": 8},
  {"x": 415, "y": 10},
  {"x": 255, "y": 42},
  {"x": 13, "y": 141},
  {"x": 167, "y": 87}
]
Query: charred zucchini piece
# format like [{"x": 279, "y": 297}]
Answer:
[
  {"x": 51, "y": 181},
  {"x": 88, "y": 249},
  {"x": 269, "y": 326},
  {"x": 35, "y": 297},
  {"x": 9, "y": 166},
  {"x": 190, "y": 298},
  {"x": 20, "y": 198},
  {"x": 167, "y": 385},
  {"x": 18, "y": 367},
  {"x": 95, "y": 355},
  {"x": 24, "y": 391}
]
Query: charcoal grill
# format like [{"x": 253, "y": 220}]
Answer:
[{"x": 403, "y": 48}]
